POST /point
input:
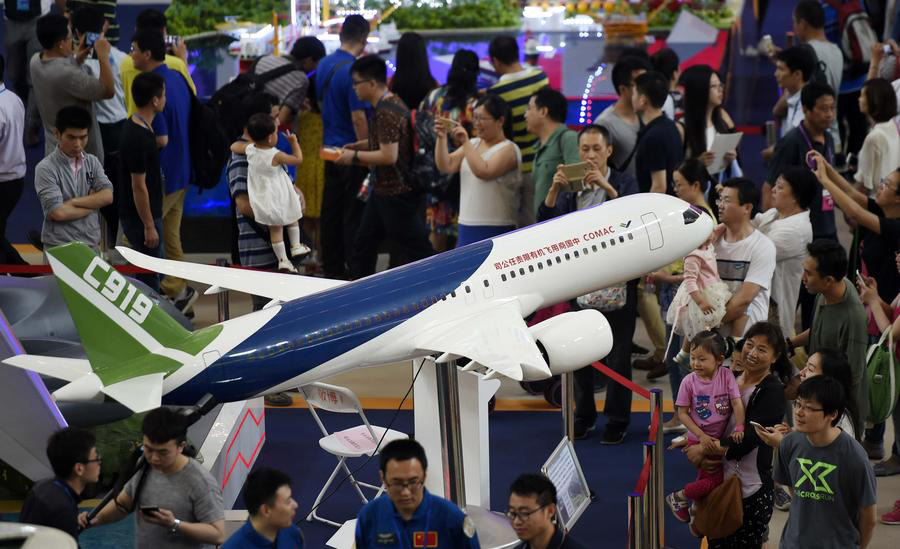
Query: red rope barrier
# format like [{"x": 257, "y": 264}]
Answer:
[
  {"x": 622, "y": 380},
  {"x": 654, "y": 427},
  {"x": 644, "y": 477}
]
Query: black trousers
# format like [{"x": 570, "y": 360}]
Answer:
[
  {"x": 341, "y": 212},
  {"x": 399, "y": 218},
  {"x": 618, "y": 397},
  {"x": 10, "y": 193},
  {"x": 111, "y": 135}
]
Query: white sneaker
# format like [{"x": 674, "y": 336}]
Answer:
[
  {"x": 286, "y": 266},
  {"x": 299, "y": 249}
]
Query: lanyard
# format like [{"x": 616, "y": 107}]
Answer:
[
  {"x": 828, "y": 153},
  {"x": 146, "y": 124},
  {"x": 400, "y": 529}
]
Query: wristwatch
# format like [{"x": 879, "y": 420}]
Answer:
[
  {"x": 356, "y": 157},
  {"x": 175, "y": 526}
]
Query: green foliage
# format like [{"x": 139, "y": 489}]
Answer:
[
  {"x": 187, "y": 17},
  {"x": 462, "y": 14}
]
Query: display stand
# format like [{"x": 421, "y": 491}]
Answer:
[{"x": 453, "y": 429}]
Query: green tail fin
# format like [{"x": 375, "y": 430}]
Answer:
[{"x": 123, "y": 332}]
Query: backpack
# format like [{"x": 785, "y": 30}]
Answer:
[
  {"x": 424, "y": 167},
  {"x": 209, "y": 145},
  {"x": 820, "y": 72},
  {"x": 857, "y": 36},
  {"x": 882, "y": 377},
  {"x": 226, "y": 102}
]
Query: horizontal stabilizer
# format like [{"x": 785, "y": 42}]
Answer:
[
  {"x": 68, "y": 369},
  {"x": 139, "y": 394}
]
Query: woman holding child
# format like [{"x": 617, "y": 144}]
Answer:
[{"x": 765, "y": 365}]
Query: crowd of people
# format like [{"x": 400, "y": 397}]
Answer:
[{"x": 349, "y": 162}]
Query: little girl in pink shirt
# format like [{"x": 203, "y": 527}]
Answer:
[
  {"x": 707, "y": 398},
  {"x": 699, "y": 303}
]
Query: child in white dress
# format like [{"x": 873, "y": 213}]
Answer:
[
  {"x": 699, "y": 303},
  {"x": 274, "y": 199}
]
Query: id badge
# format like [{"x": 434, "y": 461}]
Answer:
[
  {"x": 827, "y": 201},
  {"x": 23, "y": 5}
]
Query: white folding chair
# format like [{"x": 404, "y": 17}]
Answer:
[{"x": 349, "y": 443}]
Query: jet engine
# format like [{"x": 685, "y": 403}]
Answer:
[{"x": 572, "y": 340}]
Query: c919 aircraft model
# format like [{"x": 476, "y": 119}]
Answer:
[{"x": 468, "y": 302}]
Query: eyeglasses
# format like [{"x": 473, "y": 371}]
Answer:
[
  {"x": 98, "y": 459},
  {"x": 399, "y": 485},
  {"x": 483, "y": 119},
  {"x": 358, "y": 82},
  {"x": 798, "y": 406},
  {"x": 523, "y": 515}
]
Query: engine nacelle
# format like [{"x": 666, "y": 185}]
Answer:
[{"x": 572, "y": 340}]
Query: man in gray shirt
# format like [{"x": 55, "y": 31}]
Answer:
[
  {"x": 179, "y": 504},
  {"x": 809, "y": 28},
  {"x": 59, "y": 80},
  {"x": 832, "y": 481},
  {"x": 839, "y": 318},
  {"x": 71, "y": 184},
  {"x": 619, "y": 118}
]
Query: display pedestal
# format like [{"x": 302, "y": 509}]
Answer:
[{"x": 474, "y": 395}]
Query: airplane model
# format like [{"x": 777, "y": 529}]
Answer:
[{"x": 468, "y": 302}]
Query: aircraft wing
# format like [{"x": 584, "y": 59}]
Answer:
[
  {"x": 496, "y": 338},
  {"x": 283, "y": 287}
]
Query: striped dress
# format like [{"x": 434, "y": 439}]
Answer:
[{"x": 516, "y": 89}]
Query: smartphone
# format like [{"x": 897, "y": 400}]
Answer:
[
  {"x": 859, "y": 277},
  {"x": 811, "y": 162},
  {"x": 449, "y": 122},
  {"x": 147, "y": 509},
  {"x": 90, "y": 38},
  {"x": 755, "y": 424},
  {"x": 331, "y": 154},
  {"x": 171, "y": 40},
  {"x": 575, "y": 174},
  {"x": 887, "y": 49}
]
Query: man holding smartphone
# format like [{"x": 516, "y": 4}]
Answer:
[
  {"x": 59, "y": 80},
  {"x": 179, "y": 502}
]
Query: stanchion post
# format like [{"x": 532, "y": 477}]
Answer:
[
  {"x": 650, "y": 495},
  {"x": 447, "y": 378},
  {"x": 636, "y": 521},
  {"x": 568, "y": 405},
  {"x": 104, "y": 239},
  {"x": 222, "y": 297},
  {"x": 656, "y": 403}
]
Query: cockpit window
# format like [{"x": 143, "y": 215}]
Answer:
[{"x": 691, "y": 214}]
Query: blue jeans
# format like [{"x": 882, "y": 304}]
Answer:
[
  {"x": 476, "y": 233},
  {"x": 134, "y": 232}
]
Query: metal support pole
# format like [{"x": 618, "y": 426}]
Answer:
[
  {"x": 568, "y": 405},
  {"x": 104, "y": 239},
  {"x": 222, "y": 297},
  {"x": 652, "y": 520},
  {"x": 636, "y": 536},
  {"x": 447, "y": 378},
  {"x": 658, "y": 469}
]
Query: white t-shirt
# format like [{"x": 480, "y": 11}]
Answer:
[
  {"x": 879, "y": 156},
  {"x": 794, "y": 114},
  {"x": 790, "y": 235},
  {"x": 749, "y": 260},
  {"x": 491, "y": 203}
]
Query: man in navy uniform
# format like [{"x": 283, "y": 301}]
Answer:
[{"x": 407, "y": 515}]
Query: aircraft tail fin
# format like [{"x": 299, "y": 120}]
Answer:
[{"x": 124, "y": 333}]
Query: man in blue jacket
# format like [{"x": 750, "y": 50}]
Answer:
[{"x": 407, "y": 515}]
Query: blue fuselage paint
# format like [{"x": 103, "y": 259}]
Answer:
[{"x": 310, "y": 331}]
